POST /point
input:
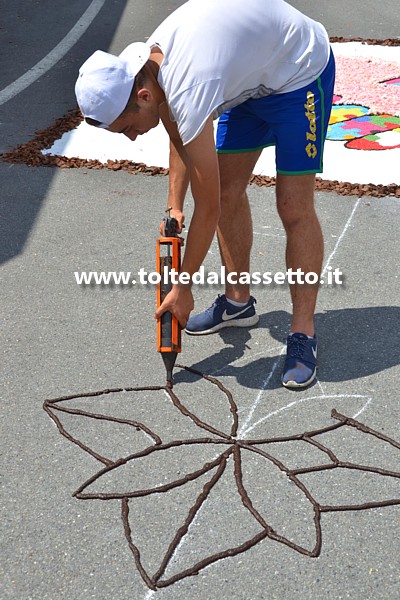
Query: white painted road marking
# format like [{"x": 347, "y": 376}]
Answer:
[{"x": 55, "y": 55}]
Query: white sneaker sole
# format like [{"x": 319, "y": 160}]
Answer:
[
  {"x": 294, "y": 385},
  {"x": 245, "y": 322}
]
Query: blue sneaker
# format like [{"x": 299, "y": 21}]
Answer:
[
  {"x": 222, "y": 314},
  {"x": 300, "y": 366}
]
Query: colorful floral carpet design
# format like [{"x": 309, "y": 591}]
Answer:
[
  {"x": 366, "y": 111},
  {"x": 362, "y": 151}
]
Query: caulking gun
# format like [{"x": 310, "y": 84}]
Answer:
[{"x": 168, "y": 256}]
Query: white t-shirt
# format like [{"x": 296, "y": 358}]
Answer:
[{"x": 220, "y": 53}]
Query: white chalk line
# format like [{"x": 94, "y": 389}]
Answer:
[
  {"x": 243, "y": 431},
  {"x": 302, "y": 400},
  {"x": 270, "y": 227},
  {"x": 242, "y": 358},
  {"x": 340, "y": 238},
  {"x": 183, "y": 540},
  {"x": 54, "y": 55},
  {"x": 363, "y": 409},
  {"x": 278, "y": 235},
  {"x": 150, "y": 594}
]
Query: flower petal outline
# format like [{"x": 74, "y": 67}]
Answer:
[
  {"x": 235, "y": 447},
  {"x": 190, "y": 476},
  {"x": 272, "y": 534},
  {"x": 54, "y": 405}
]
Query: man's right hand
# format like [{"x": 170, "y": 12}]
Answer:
[{"x": 179, "y": 216}]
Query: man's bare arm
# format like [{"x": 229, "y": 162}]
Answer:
[
  {"x": 204, "y": 180},
  {"x": 202, "y": 166},
  {"x": 178, "y": 167}
]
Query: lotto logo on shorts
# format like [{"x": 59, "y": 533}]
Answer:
[{"x": 311, "y": 136}]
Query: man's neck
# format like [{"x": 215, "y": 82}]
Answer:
[{"x": 153, "y": 67}]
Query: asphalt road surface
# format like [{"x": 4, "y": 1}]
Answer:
[{"x": 59, "y": 338}]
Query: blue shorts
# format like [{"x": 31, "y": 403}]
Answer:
[{"x": 295, "y": 123}]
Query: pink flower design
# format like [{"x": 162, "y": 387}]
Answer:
[
  {"x": 366, "y": 110},
  {"x": 365, "y": 81}
]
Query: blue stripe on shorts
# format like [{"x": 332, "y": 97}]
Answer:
[{"x": 295, "y": 123}]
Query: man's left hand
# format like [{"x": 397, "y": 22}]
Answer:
[{"x": 179, "y": 302}]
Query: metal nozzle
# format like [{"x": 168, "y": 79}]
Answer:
[{"x": 169, "y": 359}]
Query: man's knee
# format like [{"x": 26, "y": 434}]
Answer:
[
  {"x": 293, "y": 216},
  {"x": 235, "y": 171},
  {"x": 232, "y": 191},
  {"x": 295, "y": 200}
]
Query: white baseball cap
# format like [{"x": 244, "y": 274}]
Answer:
[{"x": 105, "y": 82}]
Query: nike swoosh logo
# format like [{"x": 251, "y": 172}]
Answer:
[
  {"x": 227, "y": 317},
  {"x": 314, "y": 351}
]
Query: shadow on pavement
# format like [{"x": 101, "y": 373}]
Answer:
[
  {"x": 353, "y": 343},
  {"x": 39, "y": 105}
]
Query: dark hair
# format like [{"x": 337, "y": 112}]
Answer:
[{"x": 140, "y": 79}]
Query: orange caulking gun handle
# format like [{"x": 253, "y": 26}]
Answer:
[{"x": 168, "y": 252}]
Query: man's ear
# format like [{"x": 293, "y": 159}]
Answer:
[{"x": 143, "y": 95}]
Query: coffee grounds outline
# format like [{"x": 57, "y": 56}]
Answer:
[
  {"x": 234, "y": 449},
  {"x": 30, "y": 153}
]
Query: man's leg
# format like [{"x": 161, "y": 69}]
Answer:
[
  {"x": 304, "y": 249},
  {"x": 235, "y": 237},
  {"x": 300, "y": 122},
  {"x": 235, "y": 227}
]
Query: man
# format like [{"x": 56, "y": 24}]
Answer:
[{"x": 267, "y": 71}]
